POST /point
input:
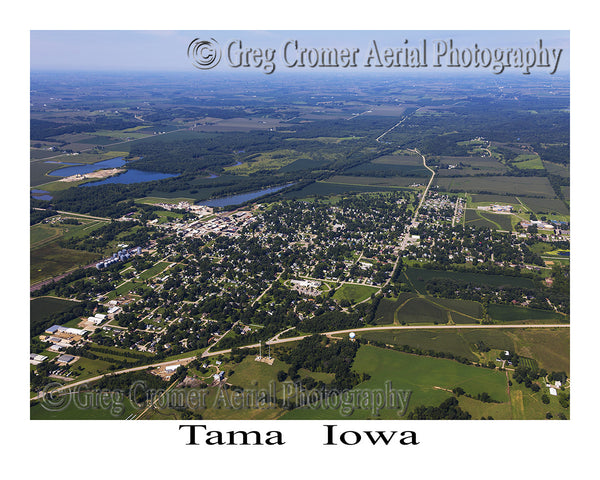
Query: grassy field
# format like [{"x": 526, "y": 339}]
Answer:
[
  {"x": 154, "y": 270},
  {"x": 42, "y": 307},
  {"x": 266, "y": 161},
  {"x": 495, "y": 221},
  {"x": 51, "y": 260},
  {"x": 415, "y": 373},
  {"x": 539, "y": 186},
  {"x": 515, "y": 313},
  {"x": 389, "y": 182},
  {"x": 327, "y": 188},
  {"x": 418, "y": 277},
  {"x": 155, "y": 200},
  {"x": 550, "y": 347},
  {"x": 354, "y": 293},
  {"x": 410, "y": 309},
  {"x": 87, "y": 406},
  {"x": 528, "y": 162},
  {"x": 454, "y": 342},
  {"x": 546, "y": 206},
  {"x": 477, "y": 199}
]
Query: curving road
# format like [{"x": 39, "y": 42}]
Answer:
[{"x": 295, "y": 339}]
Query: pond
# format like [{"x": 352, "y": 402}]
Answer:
[
  {"x": 40, "y": 194},
  {"x": 88, "y": 168},
  {"x": 130, "y": 176},
  {"x": 241, "y": 198}
]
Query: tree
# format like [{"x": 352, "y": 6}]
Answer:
[{"x": 545, "y": 399}]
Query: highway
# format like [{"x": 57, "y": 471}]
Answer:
[{"x": 277, "y": 341}]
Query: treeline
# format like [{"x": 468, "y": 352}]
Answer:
[
  {"x": 43, "y": 129},
  {"x": 554, "y": 153},
  {"x": 428, "y": 353},
  {"x": 36, "y": 216},
  {"x": 319, "y": 354},
  {"x": 447, "y": 410},
  {"x": 39, "y": 324},
  {"x": 334, "y": 320}
]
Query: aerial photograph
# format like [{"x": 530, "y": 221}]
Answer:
[{"x": 299, "y": 225}]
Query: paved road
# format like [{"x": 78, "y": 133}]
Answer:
[{"x": 295, "y": 339}]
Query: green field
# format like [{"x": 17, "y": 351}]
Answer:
[
  {"x": 326, "y": 189},
  {"x": 549, "y": 347},
  {"x": 418, "y": 277},
  {"x": 415, "y": 373},
  {"x": 495, "y": 221},
  {"x": 515, "y": 313},
  {"x": 267, "y": 161},
  {"x": 538, "y": 186},
  {"x": 154, "y": 270},
  {"x": 546, "y": 206},
  {"x": 51, "y": 260},
  {"x": 454, "y": 342},
  {"x": 485, "y": 199},
  {"x": 528, "y": 162},
  {"x": 155, "y": 200},
  {"x": 354, "y": 293},
  {"x": 387, "y": 182},
  {"x": 42, "y": 307},
  {"x": 114, "y": 407}
]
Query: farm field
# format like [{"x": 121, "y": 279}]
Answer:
[
  {"x": 470, "y": 166},
  {"x": 495, "y": 221},
  {"x": 51, "y": 260},
  {"x": 81, "y": 408},
  {"x": 389, "y": 182},
  {"x": 327, "y": 188},
  {"x": 418, "y": 277},
  {"x": 528, "y": 162},
  {"x": 546, "y": 205},
  {"x": 415, "y": 373},
  {"x": 498, "y": 185},
  {"x": 42, "y": 307},
  {"x": 477, "y": 199},
  {"x": 454, "y": 342},
  {"x": 515, "y": 313},
  {"x": 410, "y": 309},
  {"x": 387, "y": 170},
  {"x": 411, "y": 160},
  {"x": 550, "y": 347}
]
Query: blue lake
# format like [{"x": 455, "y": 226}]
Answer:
[
  {"x": 243, "y": 197},
  {"x": 130, "y": 176},
  {"x": 81, "y": 169}
]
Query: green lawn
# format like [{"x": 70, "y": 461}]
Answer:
[
  {"x": 154, "y": 270},
  {"x": 354, "y": 293}
]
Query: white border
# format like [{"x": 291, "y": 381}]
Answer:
[{"x": 156, "y": 449}]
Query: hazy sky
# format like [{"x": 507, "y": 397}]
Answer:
[{"x": 115, "y": 50}]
